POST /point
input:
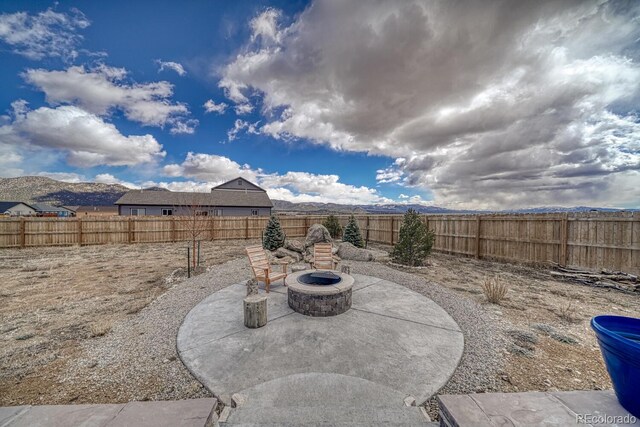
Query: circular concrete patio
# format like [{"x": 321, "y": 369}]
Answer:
[{"x": 392, "y": 341}]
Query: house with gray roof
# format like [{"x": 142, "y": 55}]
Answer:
[
  {"x": 237, "y": 197},
  {"x": 43, "y": 209},
  {"x": 16, "y": 209}
]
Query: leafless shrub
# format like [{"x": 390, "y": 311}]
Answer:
[
  {"x": 100, "y": 328},
  {"x": 568, "y": 312},
  {"x": 494, "y": 289}
]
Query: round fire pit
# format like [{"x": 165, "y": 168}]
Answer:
[{"x": 319, "y": 293}]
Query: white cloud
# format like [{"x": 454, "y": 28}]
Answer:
[
  {"x": 242, "y": 126},
  {"x": 47, "y": 34},
  {"x": 107, "y": 178},
  {"x": 83, "y": 137},
  {"x": 388, "y": 175},
  {"x": 265, "y": 26},
  {"x": 64, "y": 176},
  {"x": 170, "y": 65},
  {"x": 102, "y": 89},
  {"x": 211, "y": 107},
  {"x": 210, "y": 168},
  {"x": 308, "y": 187},
  {"x": 485, "y": 105},
  {"x": 242, "y": 109}
]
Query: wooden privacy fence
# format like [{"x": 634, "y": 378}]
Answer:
[{"x": 593, "y": 240}]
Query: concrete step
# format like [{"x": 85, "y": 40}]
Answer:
[
  {"x": 323, "y": 416},
  {"x": 312, "y": 399}
]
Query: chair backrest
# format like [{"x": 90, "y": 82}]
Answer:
[
  {"x": 258, "y": 259},
  {"x": 322, "y": 256}
]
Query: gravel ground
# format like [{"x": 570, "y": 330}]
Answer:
[
  {"x": 483, "y": 358},
  {"x": 139, "y": 354}
]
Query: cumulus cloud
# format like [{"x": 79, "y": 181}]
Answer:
[
  {"x": 242, "y": 126},
  {"x": 211, "y": 107},
  {"x": 500, "y": 105},
  {"x": 102, "y": 89},
  {"x": 46, "y": 34},
  {"x": 85, "y": 138},
  {"x": 107, "y": 178},
  {"x": 170, "y": 65},
  {"x": 265, "y": 25},
  {"x": 209, "y": 170},
  {"x": 64, "y": 176},
  {"x": 308, "y": 187}
]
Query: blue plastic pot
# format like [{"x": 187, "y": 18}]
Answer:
[{"x": 619, "y": 339}]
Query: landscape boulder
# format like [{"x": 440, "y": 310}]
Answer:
[
  {"x": 317, "y": 233},
  {"x": 282, "y": 253},
  {"x": 347, "y": 251},
  {"x": 294, "y": 245}
]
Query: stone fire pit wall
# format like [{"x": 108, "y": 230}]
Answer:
[{"x": 319, "y": 301}]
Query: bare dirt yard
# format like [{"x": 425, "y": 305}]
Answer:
[
  {"x": 71, "y": 317},
  {"x": 55, "y": 300},
  {"x": 549, "y": 343}
]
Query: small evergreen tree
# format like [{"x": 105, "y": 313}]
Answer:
[
  {"x": 352, "y": 233},
  {"x": 333, "y": 225},
  {"x": 415, "y": 241},
  {"x": 273, "y": 236}
]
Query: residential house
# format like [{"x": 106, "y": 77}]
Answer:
[
  {"x": 43, "y": 209},
  {"x": 81, "y": 211},
  {"x": 16, "y": 209},
  {"x": 237, "y": 197}
]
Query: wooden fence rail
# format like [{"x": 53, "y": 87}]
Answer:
[{"x": 593, "y": 240}]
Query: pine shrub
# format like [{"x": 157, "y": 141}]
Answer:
[
  {"x": 415, "y": 241},
  {"x": 352, "y": 233},
  {"x": 273, "y": 236},
  {"x": 333, "y": 225}
]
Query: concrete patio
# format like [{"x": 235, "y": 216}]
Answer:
[{"x": 392, "y": 350}]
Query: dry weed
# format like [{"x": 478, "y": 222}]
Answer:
[
  {"x": 100, "y": 328},
  {"x": 494, "y": 289},
  {"x": 568, "y": 312}
]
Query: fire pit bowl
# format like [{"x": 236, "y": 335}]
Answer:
[{"x": 319, "y": 293}]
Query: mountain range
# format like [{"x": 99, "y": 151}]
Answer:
[{"x": 38, "y": 189}]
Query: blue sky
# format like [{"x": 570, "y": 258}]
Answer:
[{"x": 425, "y": 102}]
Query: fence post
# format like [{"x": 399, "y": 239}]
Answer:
[
  {"x": 213, "y": 234},
  {"x": 246, "y": 228},
  {"x": 393, "y": 227},
  {"x": 23, "y": 239},
  {"x": 129, "y": 230},
  {"x": 478, "y": 236},
  {"x": 79, "y": 222},
  {"x": 564, "y": 237},
  {"x": 173, "y": 229},
  {"x": 366, "y": 245}
]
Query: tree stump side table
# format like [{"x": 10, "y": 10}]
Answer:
[{"x": 255, "y": 311}]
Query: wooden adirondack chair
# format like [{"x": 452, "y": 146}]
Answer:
[
  {"x": 323, "y": 258},
  {"x": 261, "y": 267}
]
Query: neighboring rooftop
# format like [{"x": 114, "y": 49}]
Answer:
[
  {"x": 6, "y": 205},
  {"x": 246, "y": 194}
]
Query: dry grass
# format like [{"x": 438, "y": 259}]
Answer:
[
  {"x": 100, "y": 328},
  {"x": 568, "y": 312},
  {"x": 494, "y": 289}
]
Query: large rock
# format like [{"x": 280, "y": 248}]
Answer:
[
  {"x": 347, "y": 251},
  {"x": 282, "y": 253},
  {"x": 317, "y": 233},
  {"x": 294, "y": 245}
]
